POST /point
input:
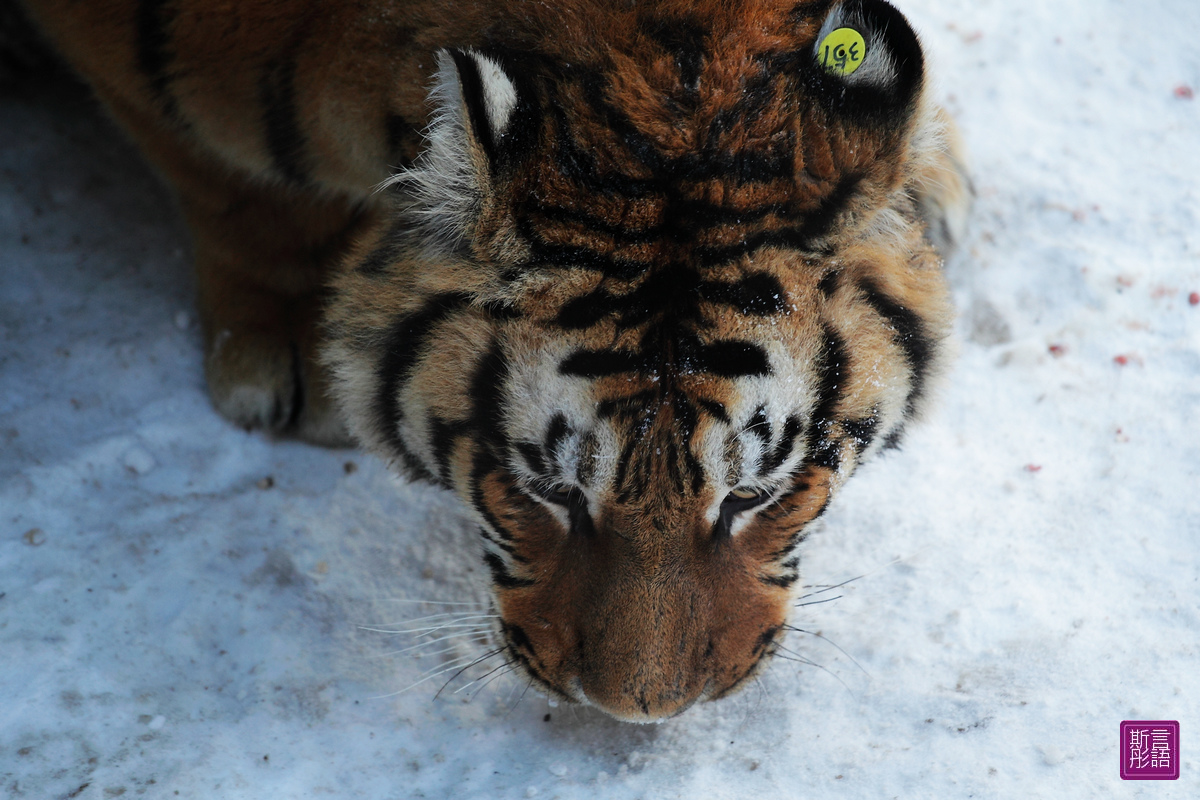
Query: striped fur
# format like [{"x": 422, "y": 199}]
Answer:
[{"x": 653, "y": 288}]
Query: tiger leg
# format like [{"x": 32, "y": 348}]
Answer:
[
  {"x": 262, "y": 257},
  {"x": 942, "y": 187}
]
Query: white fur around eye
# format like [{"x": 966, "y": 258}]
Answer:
[{"x": 499, "y": 93}]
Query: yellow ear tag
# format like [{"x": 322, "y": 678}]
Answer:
[{"x": 842, "y": 51}]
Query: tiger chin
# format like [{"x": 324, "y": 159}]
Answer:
[{"x": 641, "y": 282}]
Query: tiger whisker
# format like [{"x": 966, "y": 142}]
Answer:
[
  {"x": 511, "y": 669},
  {"x": 528, "y": 684},
  {"x": 831, "y": 643},
  {"x": 809, "y": 662},
  {"x": 817, "y": 602},
  {"x": 450, "y": 617},
  {"x": 490, "y": 654},
  {"x": 506, "y": 665},
  {"x": 423, "y": 654},
  {"x": 429, "y": 642},
  {"x": 476, "y": 603},
  {"x": 426, "y": 631},
  {"x": 833, "y": 586},
  {"x": 442, "y": 669}
]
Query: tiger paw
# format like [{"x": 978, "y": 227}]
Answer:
[{"x": 266, "y": 380}]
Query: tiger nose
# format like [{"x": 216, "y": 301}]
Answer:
[
  {"x": 648, "y": 692},
  {"x": 641, "y": 706}
]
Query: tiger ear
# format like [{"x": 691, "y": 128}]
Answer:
[
  {"x": 474, "y": 103},
  {"x": 867, "y": 63},
  {"x": 488, "y": 97}
]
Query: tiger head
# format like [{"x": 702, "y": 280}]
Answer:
[{"x": 656, "y": 286}]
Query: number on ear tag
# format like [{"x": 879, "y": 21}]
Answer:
[{"x": 842, "y": 51}]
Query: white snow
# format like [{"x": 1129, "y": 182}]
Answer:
[{"x": 173, "y": 624}]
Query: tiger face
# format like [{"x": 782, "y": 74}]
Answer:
[{"x": 659, "y": 281}]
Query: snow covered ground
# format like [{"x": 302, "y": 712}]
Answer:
[{"x": 181, "y": 603}]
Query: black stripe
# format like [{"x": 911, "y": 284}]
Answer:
[
  {"x": 501, "y": 576},
  {"x": 685, "y": 422},
  {"x": 285, "y": 139},
  {"x": 862, "y": 431},
  {"x": 726, "y": 358},
  {"x": 623, "y": 463},
  {"x": 505, "y": 546},
  {"x": 547, "y": 254},
  {"x": 833, "y": 371},
  {"x": 486, "y": 391},
  {"x": 760, "y": 426},
  {"x": 894, "y": 437},
  {"x": 783, "y": 238},
  {"x": 153, "y": 29},
  {"x": 638, "y": 145},
  {"x": 627, "y": 406},
  {"x": 819, "y": 221},
  {"x": 802, "y": 237},
  {"x": 792, "y": 428},
  {"x": 778, "y": 509},
  {"x": 758, "y": 294},
  {"x": 743, "y": 166},
  {"x": 600, "y": 363},
  {"x": 782, "y": 581},
  {"x": 402, "y": 346},
  {"x": 555, "y": 433},
  {"x": 909, "y": 334},
  {"x": 598, "y": 225},
  {"x": 533, "y": 457},
  {"x": 483, "y": 466},
  {"x": 829, "y": 283},
  {"x": 585, "y": 466},
  {"x": 688, "y": 218},
  {"x": 387, "y": 251},
  {"x": 714, "y": 408},
  {"x": 522, "y": 650},
  {"x": 764, "y": 639},
  {"x": 443, "y": 435},
  {"x": 739, "y": 167},
  {"x": 674, "y": 288},
  {"x": 793, "y": 541},
  {"x": 579, "y": 165},
  {"x": 683, "y": 39}
]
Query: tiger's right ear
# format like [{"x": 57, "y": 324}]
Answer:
[
  {"x": 471, "y": 134},
  {"x": 867, "y": 63}
]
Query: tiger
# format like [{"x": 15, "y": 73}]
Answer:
[{"x": 641, "y": 281}]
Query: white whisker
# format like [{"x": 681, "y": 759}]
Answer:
[{"x": 426, "y": 631}]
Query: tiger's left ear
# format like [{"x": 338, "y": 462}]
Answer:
[
  {"x": 489, "y": 99},
  {"x": 867, "y": 63},
  {"x": 471, "y": 134}
]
